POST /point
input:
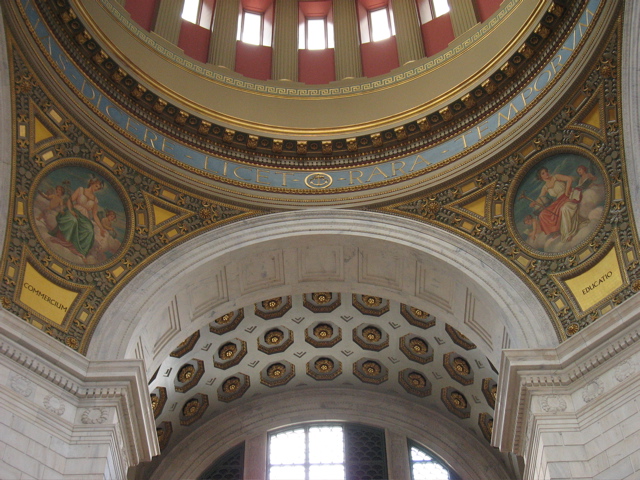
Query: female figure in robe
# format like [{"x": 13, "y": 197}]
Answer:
[
  {"x": 75, "y": 229},
  {"x": 561, "y": 216}
]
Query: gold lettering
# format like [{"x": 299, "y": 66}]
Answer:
[
  {"x": 401, "y": 169},
  {"x": 130, "y": 127},
  {"x": 352, "y": 178},
  {"x": 235, "y": 172},
  {"x": 148, "y": 139},
  {"x": 419, "y": 159},
  {"x": 549, "y": 77},
  {"x": 481, "y": 130},
  {"x": 508, "y": 117},
  {"x": 167, "y": 145},
  {"x": 261, "y": 176},
  {"x": 224, "y": 170},
  {"x": 284, "y": 177},
  {"x": 464, "y": 140},
  {"x": 558, "y": 63},
  {"x": 376, "y": 171}
]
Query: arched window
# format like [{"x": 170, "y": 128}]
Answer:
[{"x": 329, "y": 451}]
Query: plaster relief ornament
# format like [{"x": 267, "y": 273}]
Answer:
[
  {"x": 78, "y": 215},
  {"x": 21, "y": 385},
  {"x": 624, "y": 370},
  {"x": 592, "y": 391},
  {"x": 94, "y": 415},
  {"x": 553, "y": 404},
  {"x": 559, "y": 203},
  {"x": 54, "y": 404}
]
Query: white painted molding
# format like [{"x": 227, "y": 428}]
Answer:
[
  {"x": 116, "y": 384},
  {"x": 137, "y": 308}
]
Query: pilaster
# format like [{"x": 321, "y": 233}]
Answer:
[
  {"x": 463, "y": 16},
  {"x": 348, "y": 61},
  {"x": 63, "y": 416},
  {"x": 169, "y": 20},
  {"x": 222, "y": 49},
  {"x": 573, "y": 411},
  {"x": 285, "y": 42},
  {"x": 408, "y": 34}
]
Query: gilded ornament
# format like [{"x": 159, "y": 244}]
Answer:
[
  {"x": 227, "y": 351},
  {"x": 224, "y": 319},
  {"x": 635, "y": 286},
  {"x": 372, "y": 334},
  {"x": 154, "y": 401},
  {"x": 231, "y": 385},
  {"x": 371, "y": 368},
  {"x": 417, "y": 380},
  {"x": 372, "y": 301},
  {"x": 421, "y": 314},
  {"x": 205, "y": 213},
  {"x": 272, "y": 304},
  {"x": 191, "y": 407},
  {"x": 321, "y": 298},
  {"x": 461, "y": 366},
  {"x": 323, "y": 331},
  {"x": 273, "y": 337},
  {"x": 276, "y": 370},
  {"x": 458, "y": 400},
  {"x": 324, "y": 365},
  {"x": 186, "y": 373},
  {"x": 573, "y": 329},
  {"x": 418, "y": 345},
  {"x": 72, "y": 342}
]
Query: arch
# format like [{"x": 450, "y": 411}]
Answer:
[
  {"x": 631, "y": 105},
  {"x": 6, "y": 129},
  {"x": 464, "y": 453},
  {"x": 138, "y": 323}
]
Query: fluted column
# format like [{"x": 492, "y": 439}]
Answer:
[
  {"x": 169, "y": 20},
  {"x": 463, "y": 16},
  {"x": 222, "y": 50},
  {"x": 285, "y": 42},
  {"x": 408, "y": 34},
  {"x": 347, "y": 50}
]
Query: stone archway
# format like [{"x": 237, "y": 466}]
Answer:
[{"x": 335, "y": 250}]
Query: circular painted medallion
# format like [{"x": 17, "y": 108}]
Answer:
[
  {"x": 559, "y": 203},
  {"x": 79, "y": 215}
]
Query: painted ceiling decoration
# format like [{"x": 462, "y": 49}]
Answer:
[
  {"x": 309, "y": 166},
  {"x": 555, "y": 207},
  {"x": 386, "y": 351},
  {"x": 86, "y": 219},
  {"x": 59, "y": 273}
]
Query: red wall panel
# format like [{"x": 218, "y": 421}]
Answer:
[
  {"x": 379, "y": 57},
  {"x": 143, "y": 12},
  {"x": 194, "y": 40},
  {"x": 253, "y": 61},
  {"x": 437, "y": 34},
  {"x": 316, "y": 66},
  {"x": 486, "y": 8}
]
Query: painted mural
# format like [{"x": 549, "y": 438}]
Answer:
[
  {"x": 559, "y": 203},
  {"x": 79, "y": 215}
]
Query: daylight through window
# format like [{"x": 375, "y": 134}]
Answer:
[
  {"x": 251, "y": 28},
  {"x": 190, "y": 10},
  {"x": 380, "y": 24}
]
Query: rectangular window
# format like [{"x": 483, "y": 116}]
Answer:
[
  {"x": 191, "y": 10},
  {"x": 380, "y": 24},
  {"x": 316, "y": 33},
  {"x": 440, "y": 7},
  {"x": 252, "y": 28},
  {"x": 430, "y": 9}
]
